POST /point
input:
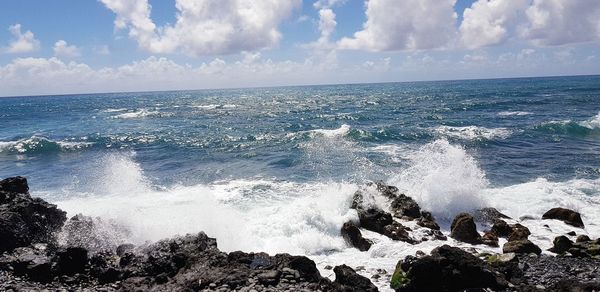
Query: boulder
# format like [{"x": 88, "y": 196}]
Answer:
[
  {"x": 568, "y": 216},
  {"x": 30, "y": 262},
  {"x": 561, "y": 244},
  {"x": 489, "y": 215},
  {"x": 72, "y": 260},
  {"x": 521, "y": 247},
  {"x": 583, "y": 238},
  {"x": 490, "y": 238},
  {"x": 374, "y": 219},
  {"x": 501, "y": 229},
  {"x": 519, "y": 232},
  {"x": 446, "y": 269},
  {"x": 405, "y": 206},
  {"x": 397, "y": 231},
  {"x": 269, "y": 278},
  {"x": 347, "y": 280},
  {"x": 463, "y": 229},
  {"x": 426, "y": 220},
  {"x": 13, "y": 231},
  {"x": 354, "y": 237}
]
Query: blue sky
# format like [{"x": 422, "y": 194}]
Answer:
[{"x": 73, "y": 46}]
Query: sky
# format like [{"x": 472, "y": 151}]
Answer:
[{"x": 90, "y": 46}]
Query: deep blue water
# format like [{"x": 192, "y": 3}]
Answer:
[{"x": 516, "y": 129}]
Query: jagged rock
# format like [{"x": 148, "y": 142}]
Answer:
[
  {"x": 374, "y": 219},
  {"x": 446, "y": 269},
  {"x": 561, "y": 244},
  {"x": 404, "y": 205},
  {"x": 347, "y": 280},
  {"x": 25, "y": 220},
  {"x": 269, "y": 278},
  {"x": 490, "y": 238},
  {"x": 354, "y": 237},
  {"x": 571, "y": 233},
  {"x": 519, "y": 232},
  {"x": 463, "y": 229},
  {"x": 501, "y": 229},
  {"x": 426, "y": 220},
  {"x": 568, "y": 216},
  {"x": 30, "y": 262},
  {"x": 489, "y": 215},
  {"x": 583, "y": 238},
  {"x": 397, "y": 231},
  {"x": 93, "y": 234},
  {"x": 390, "y": 192},
  {"x": 124, "y": 248},
  {"x": 521, "y": 246}
]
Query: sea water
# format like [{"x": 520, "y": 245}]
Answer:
[{"x": 274, "y": 169}]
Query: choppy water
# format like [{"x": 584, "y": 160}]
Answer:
[{"x": 273, "y": 169}]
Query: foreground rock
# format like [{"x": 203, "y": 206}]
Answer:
[
  {"x": 446, "y": 269},
  {"x": 354, "y": 237},
  {"x": 23, "y": 219},
  {"x": 463, "y": 229},
  {"x": 568, "y": 216},
  {"x": 347, "y": 280}
]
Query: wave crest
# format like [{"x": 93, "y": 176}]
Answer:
[
  {"x": 473, "y": 132},
  {"x": 39, "y": 144}
]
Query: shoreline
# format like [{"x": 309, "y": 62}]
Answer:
[{"x": 83, "y": 259}]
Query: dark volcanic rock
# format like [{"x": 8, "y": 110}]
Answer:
[
  {"x": 490, "y": 238},
  {"x": 354, "y": 237},
  {"x": 489, "y": 215},
  {"x": 561, "y": 244},
  {"x": 501, "y": 229},
  {"x": 25, "y": 220},
  {"x": 94, "y": 234},
  {"x": 72, "y": 260},
  {"x": 521, "y": 246},
  {"x": 347, "y": 280},
  {"x": 426, "y": 220},
  {"x": 568, "y": 216},
  {"x": 519, "y": 232},
  {"x": 463, "y": 229},
  {"x": 583, "y": 238},
  {"x": 30, "y": 262},
  {"x": 446, "y": 269},
  {"x": 404, "y": 205},
  {"x": 374, "y": 219}
]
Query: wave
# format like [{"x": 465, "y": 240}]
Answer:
[
  {"x": 114, "y": 110},
  {"x": 341, "y": 131},
  {"x": 215, "y": 106},
  {"x": 143, "y": 113},
  {"x": 514, "y": 113},
  {"x": 593, "y": 123},
  {"x": 39, "y": 144},
  {"x": 590, "y": 127},
  {"x": 473, "y": 132}
]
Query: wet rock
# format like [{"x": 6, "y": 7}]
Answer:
[
  {"x": 583, "y": 238},
  {"x": 397, "y": 231},
  {"x": 124, "y": 248},
  {"x": 489, "y": 215},
  {"x": 463, "y": 229},
  {"x": 29, "y": 262},
  {"x": 94, "y": 234},
  {"x": 501, "y": 229},
  {"x": 354, "y": 237},
  {"x": 519, "y": 232},
  {"x": 428, "y": 221},
  {"x": 568, "y": 216},
  {"x": 571, "y": 233},
  {"x": 25, "y": 220},
  {"x": 72, "y": 260},
  {"x": 347, "y": 280},
  {"x": 374, "y": 219},
  {"x": 404, "y": 205},
  {"x": 390, "y": 192},
  {"x": 446, "y": 269},
  {"x": 520, "y": 247},
  {"x": 490, "y": 239},
  {"x": 561, "y": 244}
]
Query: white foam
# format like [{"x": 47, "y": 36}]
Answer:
[
  {"x": 443, "y": 178},
  {"x": 473, "y": 132},
  {"x": 114, "y": 110},
  {"x": 215, "y": 106},
  {"x": 341, "y": 131},
  {"x": 137, "y": 114},
  {"x": 593, "y": 123},
  {"x": 514, "y": 113},
  {"x": 38, "y": 143}
]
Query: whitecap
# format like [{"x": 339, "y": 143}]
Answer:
[
  {"x": 137, "y": 114},
  {"x": 473, "y": 132},
  {"x": 341, "y": 131},
  {"x": 514, "y": 113},
  {"x": 593, "y": 123}
]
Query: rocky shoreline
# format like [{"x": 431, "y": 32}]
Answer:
[{"x": 42, "y": 250}]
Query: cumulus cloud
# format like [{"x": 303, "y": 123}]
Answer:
[
  {"x": 62, "y": 48},
  {"x": 320, "y": 4},
  {"x": 559, "y": 22},
  {"x": 205, "y": 26},
  {"x": 22, "y": 42},
  {"x": 394, "y": 25},
  {"x": 487, "y": 22}
]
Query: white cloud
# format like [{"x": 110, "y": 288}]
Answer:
[
  {"x": 404, "y": 25},
  {"x": 205, "y": 26},
  {"x": 559, "y": 22},
  {"x": 320, "y": 4},
  {"x": 487, "y": 22},
  {"x": 62, "y": 48},
  {"x": 22, "y": 42}
]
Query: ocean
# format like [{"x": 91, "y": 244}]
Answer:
[{"x": 274, "y": 169}]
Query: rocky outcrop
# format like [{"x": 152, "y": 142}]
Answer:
[
  {"x": 489, "y": 215},
  {"x": 446, "y": 269},
  {"x": 405, "y": 206},
  {"x": 568, "y": 216},
  {"x": 25, "y": 220},
  {"x": 463, "y": 229},
  {"x": 382, "y": 222},
  {"x": 353, "y": 236},
  {"x": 347, "y": 280}
]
